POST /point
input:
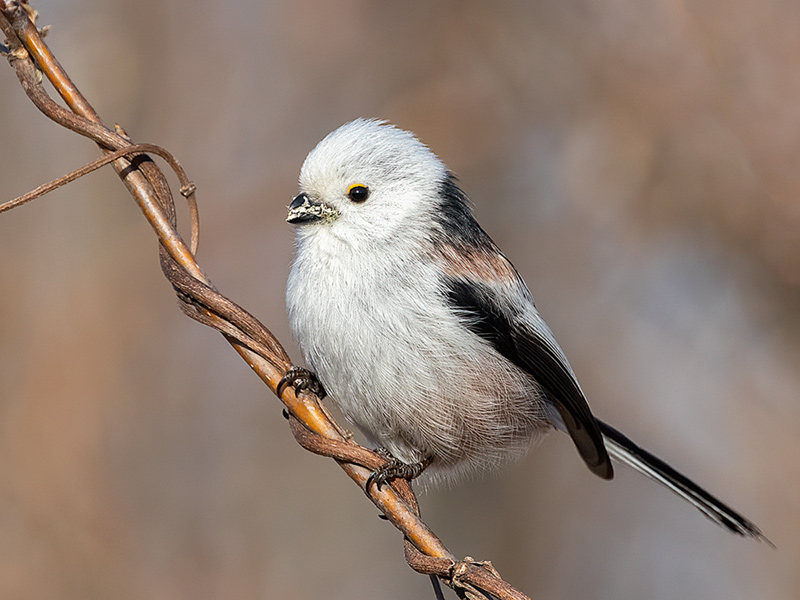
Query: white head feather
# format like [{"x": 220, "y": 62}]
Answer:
[{"x": 402, "y": 175}]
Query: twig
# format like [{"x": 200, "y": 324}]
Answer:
[
  {"x": 187, "y": 189},
  {"x": 31, "y": 59}
]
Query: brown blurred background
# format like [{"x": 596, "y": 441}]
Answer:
[{"x": 636, "y": 160}]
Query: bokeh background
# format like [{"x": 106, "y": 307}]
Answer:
[{"x": 636, "y": 160}]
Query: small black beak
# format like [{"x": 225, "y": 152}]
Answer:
[
  {"x": 298, "y": 210},
  {"x": 298, "y": 201}
]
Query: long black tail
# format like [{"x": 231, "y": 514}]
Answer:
[{"x": 624, "y": 450}]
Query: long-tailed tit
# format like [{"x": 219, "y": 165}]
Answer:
[{"x": 423, "y": 332}]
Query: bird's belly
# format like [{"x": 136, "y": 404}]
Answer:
[{"x": 413, "y": 379}]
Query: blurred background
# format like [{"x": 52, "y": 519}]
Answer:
[{"x": 638, "y": 163}]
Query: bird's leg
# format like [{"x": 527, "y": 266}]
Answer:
[
  {"x": 301, "y": 379},
  {"x": 395, "y": 469}
]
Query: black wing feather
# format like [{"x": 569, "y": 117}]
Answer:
[
  {"x": 533, "y": 352},
  {"x": 539, "y": 358}
]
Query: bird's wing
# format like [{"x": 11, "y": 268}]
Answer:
[{"x": 526, "y": 340}]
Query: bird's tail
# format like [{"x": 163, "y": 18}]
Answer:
[{"x": 624, "y": 450}]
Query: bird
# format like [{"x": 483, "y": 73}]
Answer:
[{"x": 418, "y": 327}]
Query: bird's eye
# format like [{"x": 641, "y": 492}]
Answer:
[{"x": 358, "y": 192}]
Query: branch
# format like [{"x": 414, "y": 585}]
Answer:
[{"x": 310, "y": 423}]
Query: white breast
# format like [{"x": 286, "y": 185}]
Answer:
[{"x": 379, "y": 335}]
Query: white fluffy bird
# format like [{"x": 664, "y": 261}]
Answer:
[{"x": 423, "y": 332}]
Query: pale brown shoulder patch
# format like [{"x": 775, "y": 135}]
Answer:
[{"x": 476, "y": 263}]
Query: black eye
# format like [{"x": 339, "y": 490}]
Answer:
[{"x": 358, "y": 193}]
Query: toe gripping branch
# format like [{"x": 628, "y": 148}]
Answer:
[
  {"x": 301, "y": 379},
  {"x": 394, "y": 468}
]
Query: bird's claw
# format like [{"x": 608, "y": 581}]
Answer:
[
  {"x": 301, "y": 379},
  {"x": 395, "y": 469}
]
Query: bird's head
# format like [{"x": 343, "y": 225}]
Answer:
[{"x": 367, "y": 181}]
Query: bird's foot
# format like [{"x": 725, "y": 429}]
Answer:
[
  {"x": 301, "y": 379},
  {"x": 395, "y": 469}
]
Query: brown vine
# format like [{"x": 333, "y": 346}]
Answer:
[{"x": 310, "y": 423}]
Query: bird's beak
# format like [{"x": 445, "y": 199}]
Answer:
[{"x": 304, "y": 210}]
